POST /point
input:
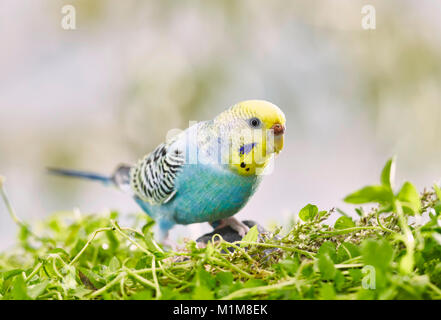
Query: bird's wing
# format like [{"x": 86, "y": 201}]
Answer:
[{"x": 153, "y": 178}]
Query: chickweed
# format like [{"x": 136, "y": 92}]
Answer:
[{"x": 379, "y": 255}]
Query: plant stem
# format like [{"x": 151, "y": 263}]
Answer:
[
  {"x": 155, "y": 279},
  {"x": 408, "y": 239},
  {"x": 434, "y": 288},
  {"x": 141, "y": 235},
  {"x": 168, "y": 274},
  {"x": 107, "y": 286},
  {"x": 118, "y": 229},
  {"x": 347, "y": 230},
  {"x": 269, "y": 245},
  {"x": 259, "y": 290},
  {"x": 11, "y": 210},
  {"x": 345, "y": 266},
  {"x": 230, "y": 265},
  {"x": 381, "y": 225},
  {"x": 88, "y": 243},
  {"x": 36, "y": 269},
  {"x": 140, "y": 279}
]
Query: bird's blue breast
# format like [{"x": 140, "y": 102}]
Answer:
[{"x": 207, "y": 193}]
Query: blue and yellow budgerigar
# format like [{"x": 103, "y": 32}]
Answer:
[{"x": 208, "y": 172}]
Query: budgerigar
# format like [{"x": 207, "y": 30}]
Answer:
[{"x": 208, "y": 172}]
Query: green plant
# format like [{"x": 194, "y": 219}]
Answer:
[{"x": 378, "y": 256}]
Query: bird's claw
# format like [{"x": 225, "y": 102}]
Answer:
[{"x": 235, "y": 224}]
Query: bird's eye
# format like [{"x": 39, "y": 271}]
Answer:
[{"x": 254, "y": 122}]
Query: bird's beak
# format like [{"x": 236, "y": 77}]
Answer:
[{"x": 279, "y": 133}]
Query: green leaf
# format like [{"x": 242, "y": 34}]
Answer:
[
  {"x": 80, "y": 292},
  {"x": 114, "y": 264},
  {"x": 225, "y": 278},
  {"x": 339, "y": 280},
  {"x": 322, "y": 213},
  {"x": 24, "y": 233},
  {"x": 11, "y": 273},
  {"x": 19, "y": 291},
  {"x": 344, "y": 223},
  {"x": 251, "y": 236},
  {"x": 388, "y": 173},
  {"x": 409, "y": 198},
  {"x": 355, "y": 275},
  {"x": 142, "y": 295},
  {"x": 289, "y": 265},
  {"x": 148, "y": 240},
  {"x": 148, "y": 226},
  {"x": 369, "y": 194},
  {"x": 359, "y": 211},
  {"x": 437, "y": 191},
  {"x": 202, "y": 293},
  {"x": 327, "y": 291},
  {"x": 377, "y": 253},
  {"x": 407, "y": 263},
  {"x": 113, "y": 241},
  {"x": 251, "y": 283},
  {"x": 326, "y": 267},
  {"x": 69, "y": 280},
  {"x": 35, "y": 290},
  {"x": 205, "y": 279},
  {"x": 346, "y": 251},
  {"x": 328, "y": 248},
  {"x": 95, "y": 280},
  {"x": 308, "y": 212}
]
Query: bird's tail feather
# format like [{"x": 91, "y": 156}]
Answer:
[
  {"x": 120, "y": 178},
  {"x": 81, "y": 175}
]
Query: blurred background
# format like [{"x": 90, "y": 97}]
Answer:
[{"x": 109, "y": 91}]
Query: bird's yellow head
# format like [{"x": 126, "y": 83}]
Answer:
[{"x": 255, "y": 130}]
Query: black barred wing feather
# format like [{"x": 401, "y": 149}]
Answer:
[{"x": 153, "y": 178}]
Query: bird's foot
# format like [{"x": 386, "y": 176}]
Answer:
[{"x": 235, "y": 224}]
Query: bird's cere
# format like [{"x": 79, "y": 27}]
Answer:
[{"x": 278, "y": 129}]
